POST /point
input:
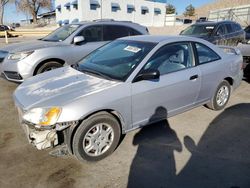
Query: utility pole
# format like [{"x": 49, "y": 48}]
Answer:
[{"x": 101, "y": 9}]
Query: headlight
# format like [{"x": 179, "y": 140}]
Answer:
[
  {"x": 43, "y": 116},
  {"x": 19, "y": 55}
]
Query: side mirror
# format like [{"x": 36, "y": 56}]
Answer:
[
  {"x": 78, "y": 39},
  {"x": 150, "y": 74}
]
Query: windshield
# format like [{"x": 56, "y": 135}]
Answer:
[
  {"x": 61, "y": 33},
  {"x": 205, "y": 30},
  {"x": 116, "y": 60}
]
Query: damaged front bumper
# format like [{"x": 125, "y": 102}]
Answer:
[
  {"x": 41, "y": 139},
  {"x": 44, "y": 137}
]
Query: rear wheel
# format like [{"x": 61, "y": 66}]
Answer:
[
  {"x": 97, "y": 137},
  {"x": 221, "y": 96},
  {"x": 48, "y": 66}
]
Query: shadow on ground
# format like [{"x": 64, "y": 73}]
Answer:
[{"x": 220, "y": 159}]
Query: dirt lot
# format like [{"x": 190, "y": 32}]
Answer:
[{"x": 197, "y": 149}]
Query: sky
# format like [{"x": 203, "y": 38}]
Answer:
[{"x": 12, "y": 16}]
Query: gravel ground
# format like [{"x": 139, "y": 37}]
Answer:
[{"x": 197, "y": 149}]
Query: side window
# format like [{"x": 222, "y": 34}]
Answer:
[
  {"x": 133, "y": 32},
  {"x": 236, "y": 27},
  {"x": 205, "y": 54},
  {"x": 171, "y": 58},
  {"x": 112, "y": 32},
  {"x": 221, "y": 30},
  {"x": 229, "y": 28},
  {"x": 92, "y": 33}
]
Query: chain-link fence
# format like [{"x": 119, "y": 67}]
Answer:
[{"x": 239, "y": 14}]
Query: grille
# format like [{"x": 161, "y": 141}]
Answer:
[{"x": 13, "y": 75}]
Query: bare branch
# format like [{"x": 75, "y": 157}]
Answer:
[{"x": 32, "y": 6}]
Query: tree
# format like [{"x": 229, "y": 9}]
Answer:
[
  {"x": 170, "y": 9},
  {"x": 190, "y": 11},
  {"x": 32, "y": 7},
  {"x": 2, "y": 5}
]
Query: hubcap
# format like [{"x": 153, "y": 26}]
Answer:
[
  {"x": 98, "y": 139},
  {"x": 222, "y": 95},
  {"x": 49, "y": 69}
]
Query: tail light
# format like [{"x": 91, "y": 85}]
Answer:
[{"x": 242, "y": 66}]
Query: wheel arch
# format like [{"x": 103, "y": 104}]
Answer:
[
  {"x": 69, "y": 134},
  {"x": 229, "y": 80},
  {"x": 45, "y": 61}
]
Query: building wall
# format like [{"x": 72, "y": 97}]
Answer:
[{"x": 104, "y": 12}]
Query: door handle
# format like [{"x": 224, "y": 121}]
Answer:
[{"x": 193, "y": 77}]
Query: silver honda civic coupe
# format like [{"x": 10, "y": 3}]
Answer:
[{"x": 124, "y": 85}]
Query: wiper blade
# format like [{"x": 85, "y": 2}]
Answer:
[{"x": 94, "y": 72}]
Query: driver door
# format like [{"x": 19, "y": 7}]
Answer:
[{"x": 176, "y": 90}]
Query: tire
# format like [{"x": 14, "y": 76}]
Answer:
[
  {"x": 89, "y": 144},
  {"x": 220, "y": 100},
  {"x": 48, "y": 66}
]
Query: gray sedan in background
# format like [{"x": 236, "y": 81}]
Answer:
[
  {"x": 124, "y": 85},
  {"x": 66, "y": 45}
]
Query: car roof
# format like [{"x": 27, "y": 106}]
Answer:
[
  {"x": 97, "y": 22},
  {"x": 158, "y": 38},
  {"x": 213, "y": 23},
  {"x": 133, "y": 25}
]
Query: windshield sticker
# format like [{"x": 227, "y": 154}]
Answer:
[
  {"x": 210, "y": 27},
  {"x": 132, "y": 49}
]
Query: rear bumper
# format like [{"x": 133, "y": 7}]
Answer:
[{"x": 237, "y": 80}]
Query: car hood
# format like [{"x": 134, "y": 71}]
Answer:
[
  {"x": 28, "y": 46},
  {"x": 58, "y": 87}
]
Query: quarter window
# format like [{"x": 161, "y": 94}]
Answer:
[
  {"x": 205, "y": 54},
  {"x": 171, "y": 58},
  {"x": 236, "y": 27}
]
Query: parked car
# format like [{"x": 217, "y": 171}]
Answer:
[
  {"x": 220, "y": 33},
  {"x": 4, "y": 28},
  {"x": 201, "y": 19},
  {"x": 124, "y": 85},
  {"x": 66, "y": 45},
  {"x": 245, "y": 51},
  {"x": 15, "y": 25}
]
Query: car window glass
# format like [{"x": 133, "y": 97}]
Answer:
[
  {"x": 237, "y": 27},
  {"x": 205, "y": 54},
  {"x": 61, "y": 33},
  {"x": 92, "y": 33},
  {"x": 199, "y": 29},
  {"x": 133, "y": 32},
  {"x": 117, "y": 59},
  {"x": 229, "y": 28},
  {"x": 221, "y": 30},
  {"x": 112, "y": 32},
  {"x": 171, "y": 58}
]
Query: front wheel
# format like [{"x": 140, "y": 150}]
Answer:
[
  {"x": 221, "y": 96},
  {"x": 97, "y": 137},
  {"x": 48, "y": 66}
]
